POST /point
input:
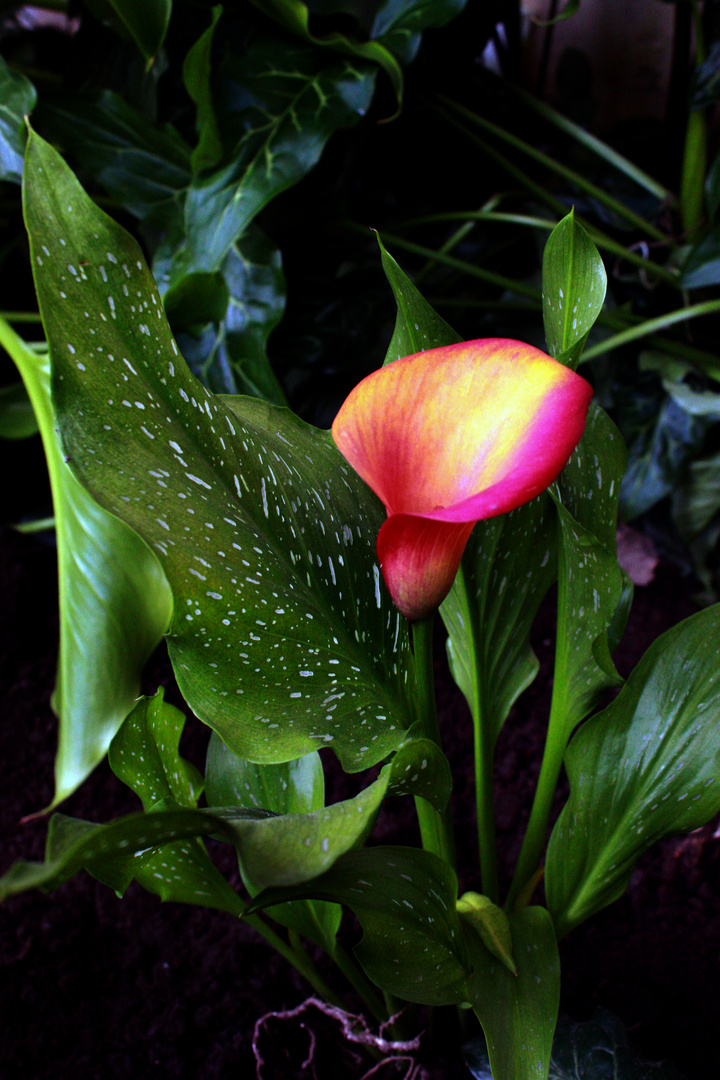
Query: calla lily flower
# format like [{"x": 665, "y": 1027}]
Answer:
[{"x": 449, "y": 437}]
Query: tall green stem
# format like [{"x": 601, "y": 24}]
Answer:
[
  {"x": 484, "y": 744},
  {"x": 435, "y": 829}
]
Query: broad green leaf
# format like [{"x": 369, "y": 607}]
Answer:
[
  {"x": 114, "y": 600},
  {"x": 17, "y": 418},
  {"x": 195, "y": 300},
  {"x": 413, "y": 944},
  {"x": 230, "y": 356},
  {"x": 145, "y": 755},
  {"x": 518, "y": 1013},
  {"x": 644, "y": 768},
  {"x": 17, "y": 99},
  {"x": 417, "y": 326},
  {"x": 492, "y": 925},
  {"x": 573, "y": 286},
  {"x": 293, "y": 787},
  {"x": 146, "y": 21},
  {"x": 508, "y": 567},
  {"x": 289, "y": 106},
  {"x": 266, "y": 537},
  {"x": 595, "y": 1049},
  {"x": 145, "y": 167},
  {"x": 196, "y": 78},
  {"x": 591, "y": 585}
]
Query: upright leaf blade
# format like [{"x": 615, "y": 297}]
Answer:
[
  {"x": 518, "y": 1013},
  {"x": 574, "y": 285},
  {"x": 267, "y": 538},
  {"x": 114, "y": 600},
  {"x": 17, "y": 99},
  {"x": 644, "y": 768}
]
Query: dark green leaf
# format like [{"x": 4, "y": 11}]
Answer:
[
  {"x": 195, "y": 300},
  {"x": 266, "y": 536},
  {"x": 701, "y": 269},
  {"x": 518, "y": 1012},
  {"x": 146, "y": 168},
  {"x": 644, "y": 768},
  {"x": 705, "y": 81},
  {"x": 231, "y": 356},
  {"x": 114, "y": 600},
  {"x": 146, "y": 21},
  {"x": 697, "y": 502},
  {"x": 196, "y": 77},
  {"x": 574, "y": 285},
  {"x": 398, "y": 25},
  {"x": 17, "y": 99},
  {"x": 17, "y": 418},
  {"x": 413, "y": 944},
  {"x": 285, "y": 106}
]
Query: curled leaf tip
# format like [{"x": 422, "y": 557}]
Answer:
[{"x": 449, "y": 437}]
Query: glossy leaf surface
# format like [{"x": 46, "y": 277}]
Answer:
[
  {"x": 266, "y": 536},
  {"x": 413, "y": 944},
  {"x": 644, "y": 768},
  {"x": 518, "y": 1013},
  {"x": 574, "y": 285},
  {"x": 114, "y": 601}
]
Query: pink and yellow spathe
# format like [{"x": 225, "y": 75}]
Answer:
[{"x": 448, "y": 437}]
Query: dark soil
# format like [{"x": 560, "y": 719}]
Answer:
[{"x": 96, "y": 986}]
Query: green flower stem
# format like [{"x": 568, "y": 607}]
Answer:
[
  {"x": 435, "y": 829},
  {"x": 484, "y": 758},
  {"x": 20, "y": 316},
  {"x": 695, "y": 152},
  {"x": 533, "y": 846}
]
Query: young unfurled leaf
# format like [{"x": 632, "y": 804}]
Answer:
[
  {"x": 282, "y": 638},
  {"x": 491, "y": 923},
  {"x": 644, "y": 768},
  {"x": 574, "y": 285}
]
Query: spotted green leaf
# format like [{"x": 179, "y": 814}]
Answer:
[
  {"x": 282, "y": 639},
  {"x": 17, "y": 99},
  {"x": 574, "y": 283},
  {"x": 644, "y": 768},
  {"x": 413, "y": 944},
  {"x": 593, "y": 593},
  {"x": 518, "y": 1012},
  {"x": 114, "y": 600},
  {"x": 145, "y": 755}
]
